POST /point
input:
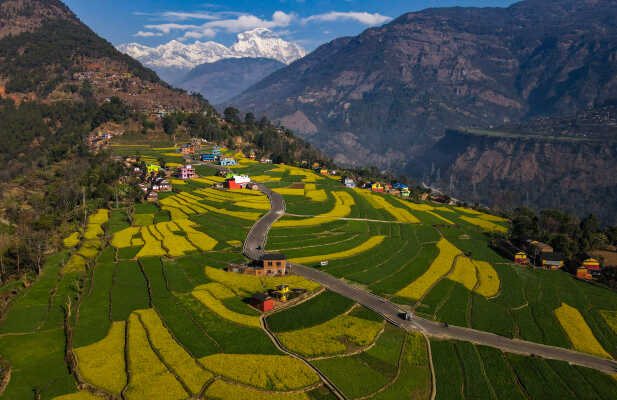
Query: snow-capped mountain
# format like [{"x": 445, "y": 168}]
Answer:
[{"x": 258, "y": 43}]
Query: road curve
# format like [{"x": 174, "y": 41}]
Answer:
[
  {"x": 255, "y": 241},
  {"x": 253, "y": 249}
]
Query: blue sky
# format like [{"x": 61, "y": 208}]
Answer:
[{"x": 306, "y": 22}]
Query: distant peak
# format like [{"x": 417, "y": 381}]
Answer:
[{"x": 256, "y": 43}]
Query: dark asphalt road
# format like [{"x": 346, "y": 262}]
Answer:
[
  {"x": 253, "y": 249},
  {"x": 256, "y": 239}
]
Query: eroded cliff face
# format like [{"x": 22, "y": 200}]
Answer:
[{"x": 577, "y": 176}]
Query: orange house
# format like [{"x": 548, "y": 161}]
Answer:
[
  {"x": 583, "y": 273},
  {"x": 377, "y": 187}
]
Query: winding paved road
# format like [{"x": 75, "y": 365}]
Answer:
[{"x": 253, "y": 249}]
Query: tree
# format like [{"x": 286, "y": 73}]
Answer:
[
  {"x": 170, "y": 124},
  {"x": 231, "y": 115},
  {"x": 249, "y": 119}
]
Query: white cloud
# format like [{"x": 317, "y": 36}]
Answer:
[
  {"x": 248, "y": 22},
  {"x": 362, "y": 17},
  {"x": 181, "y": 16},
  {"x": 204, "y": 33},
  {"x": 147, "y": 34},
  {"x": 167, "y": 28}
]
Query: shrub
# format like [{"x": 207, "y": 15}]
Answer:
[
  {"x": 102, "y": 363},
  {"x": 262, "y": 371}
]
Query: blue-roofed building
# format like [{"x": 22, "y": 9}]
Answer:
[
  {"x": 208, "y": 157},
  {"x": 228, "y": 162}
]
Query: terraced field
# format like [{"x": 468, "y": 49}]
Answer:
[{"x": 140, "y": 306}]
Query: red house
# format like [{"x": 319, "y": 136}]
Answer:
[
  {"x": 231, "y": 184},
  {"x": 263, "y": 302}
]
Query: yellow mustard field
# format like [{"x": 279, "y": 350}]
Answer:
[
  {"x": 265, "y": 178},
  {"x": 426, "y": 208},
  {"x": 199, "y": 239},
  {"x": 101, "y": 217},
  {"x": 371, "y": 243},
  {"x": 152, "y": 246},
  {"x": 176, "y": 245},
  {"x": 316, "y": 195},
  {"x": 578, "y": 331},
  {"x": 489, "y": 279},
  {"x": 175, "y": 213},
  {"x": 342, "y": 208},
  {"x": 611, "y": 319},
  {"x": 72, "y": 240},
  {"x": 268, "y": 372},
  {"x": 380, "y": 202},
  {"x": 438, "y": 269},
  {"x": 244, "y": 285},
  {"x": 78, "y": 396},
  {"x": 221, "y": 390},
  {"x": 486, "y": 225},
  {"x": 75, "y": 264},
  {"x": 123, "y": 238},
  {"x": 289, "y": 191},
  {"x": 219, "y": 291},
  {"x": 149, "y": 378},
  {"x": 464, "y": 273},
  {"x": 102, "y": 363},
  {"x": 325, "y": 339},
  {"x": 193, "y": 376},
  {"x": 219, "y": 308}
]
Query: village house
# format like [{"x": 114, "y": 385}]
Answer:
[
  {"x": 187, "y": 149},
  {"x": 208, "y": 157},
  {"x": 377, "y": 187},
  {"x": 262, "y": 302},
  {"x": 228, "y": 162},
  {"x": 583, "y": 273},
  {"x": 265, "y": 161},
  {"x": 349, "y": 183},
  {"x": 552, "y": 261},
  {"x": 252, "y": 156},
  {"x": 405, "y": 192},
  {"x": 324, "y": 172},
  {"x": 187, "y": 172},
  {"x": 237, "y": 182},
  {"x": 274, "y": 264},
  {"x": 161, "y": 185}
]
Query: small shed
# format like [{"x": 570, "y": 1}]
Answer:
[
  {"x": 521, "y": 258},
  {"x": 552, "y": 261},
  {"x": 263, "y": 302}
]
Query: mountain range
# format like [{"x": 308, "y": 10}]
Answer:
[
  {"x": 174, "y": 59},
  {"x": 387, "y": 95},
  {"x": 224, "y": 79}
]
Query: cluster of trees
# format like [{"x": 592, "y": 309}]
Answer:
[
  {"x": 36, "y": 135},
  {"x": 567, "y": 234},
  {"x": 48, "y": 163}
]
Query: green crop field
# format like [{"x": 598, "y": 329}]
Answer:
[{"x": 154, "y": 298}]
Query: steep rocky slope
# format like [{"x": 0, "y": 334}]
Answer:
[
  {"x": 559, "y": 162},
  {"x": 386, "y": 95}
]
